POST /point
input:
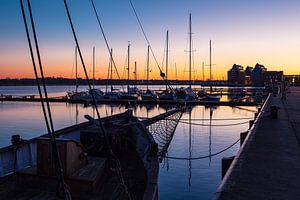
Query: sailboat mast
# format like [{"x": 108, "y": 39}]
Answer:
[
  {"x": 190, "y": 51},
  {"x": 128, "y": 60},
  {"x": 148, "y": 67},
  {"x": 176, "y": 72},
  {"x": 202, "y": 71},
  {"x": 167, "y": 57},
  {"x": 93, "y": 67},
  {"x": 135, "y": 76},
  {"x": 76, "y": 70},
  {"x": 210, "y": 66},
  {"x": 111, "y": 69}
]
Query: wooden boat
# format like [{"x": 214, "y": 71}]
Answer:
[{"x": 27, "y": 169}]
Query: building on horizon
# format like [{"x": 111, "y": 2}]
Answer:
[
  {"x": 236, "y": 75},
  {"x": 256, "y": 76}
]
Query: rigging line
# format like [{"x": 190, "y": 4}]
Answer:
[
  {"x": 105, "y": 39},
  {"x": 202, "y": 157},
  {"x": 148, "y": 42},
  {"x": 60, "y": 176},
  {"x": 95, "y": 104},
  {"x": 40, "y": 66},
  {"x": 34, "y": 67}
]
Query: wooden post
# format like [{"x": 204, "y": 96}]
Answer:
[
  {"x": 226, "y": 162},
  {"x": 251, "y": 122},
  {"x": 243, "y": 136}
]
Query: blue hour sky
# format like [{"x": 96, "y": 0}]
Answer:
[{"x": 242, "y": 32}]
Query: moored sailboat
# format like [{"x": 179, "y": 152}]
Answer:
[{"x": 148, "y": 94}]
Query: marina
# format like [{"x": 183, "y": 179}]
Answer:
[
  {"x": 131, "y": 100},
  {"x": 31, "y": 125}
]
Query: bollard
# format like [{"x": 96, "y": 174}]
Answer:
[
  {"x": 16, "y": 140},
  {"x": 251, "y": 122},
  {"x": 255, "y": 115},
  {"x": 259, "y": 109},
  {"x": 243, "y": 136},
  {"x": 274, "y": 111},
  {"x": 226, "y": 162}
]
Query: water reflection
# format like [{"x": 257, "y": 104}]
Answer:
[{"x": 178, "y": 179}]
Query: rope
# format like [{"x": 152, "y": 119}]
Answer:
[
  {"x": 202, "y": 157},
  {"x": 207, "y": 119},
  {"x": 162, "y": 74},
  {"x": 198, "y": 124},
  {"x": 106, "y": 42},
  {"x": 95, "y": 104},
  {"x": 62, "y": 187}
]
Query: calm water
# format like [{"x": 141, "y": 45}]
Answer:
[{"x": 178, "y": 179}]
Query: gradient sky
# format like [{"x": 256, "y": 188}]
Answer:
[{"x": 242, "y": 32}]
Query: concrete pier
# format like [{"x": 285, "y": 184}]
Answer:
[{"x": 268, "y": 164}]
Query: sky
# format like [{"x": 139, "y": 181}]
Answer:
[{"x": 242, "y": 32}]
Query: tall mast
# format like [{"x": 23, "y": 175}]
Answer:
[
  {"x": 111, "y": 69},
  {"x": 128, "y": 60},
  {"x": 176, "y": 72},
  {"x": 167, "y": 56},
  {"x": 202, "y": 71},
  {"x": 148, "y": 68},
  {"x": 93, "y": 67},
  {"x": 135, "y": 76},
  {"x": 210, "y": 66},
  {"x": 190, "y": 51},
  {"x": 76, "y": 72}
]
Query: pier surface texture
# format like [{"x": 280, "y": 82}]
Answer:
[{"x": 268, "y": 164}]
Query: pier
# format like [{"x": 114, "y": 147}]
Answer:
[
  {"x": 267, "y": 165},
  {"x": 33, "y": 98}
]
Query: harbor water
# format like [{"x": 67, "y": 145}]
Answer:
[{"x": 189, "y": 172}]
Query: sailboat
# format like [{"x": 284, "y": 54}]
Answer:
[
  {"x": 86, "y": 95},
  {"x": 167, "y": 94},
  {"x": 130, "y": 94},
  {"x": 111, "y": 94},
  {"x": 202, "y": 92},
  {"x": 187, "y": 93},
  {"x": 211, "y": 96},
  {"x": 148, "y": 94},
  {"x": 76, "y": 95}
]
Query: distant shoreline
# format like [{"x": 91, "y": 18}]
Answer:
[{"x": 67, "y": 81}]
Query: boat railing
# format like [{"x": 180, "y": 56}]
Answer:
[{"x": 17, "y": 157}]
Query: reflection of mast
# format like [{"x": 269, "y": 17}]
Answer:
[
  {"x": 76, "y": 114},
  {"x": 190, "y": 147},
  {"x": 210, "y": 119}
]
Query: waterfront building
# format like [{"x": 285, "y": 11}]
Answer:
[
  {"x": 273, "y": 77},
  {"x": 236, "y": 75},
  {"x": 257, "y": 75}
]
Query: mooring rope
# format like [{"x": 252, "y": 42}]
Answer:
[{"x": 202, "y": 157}]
